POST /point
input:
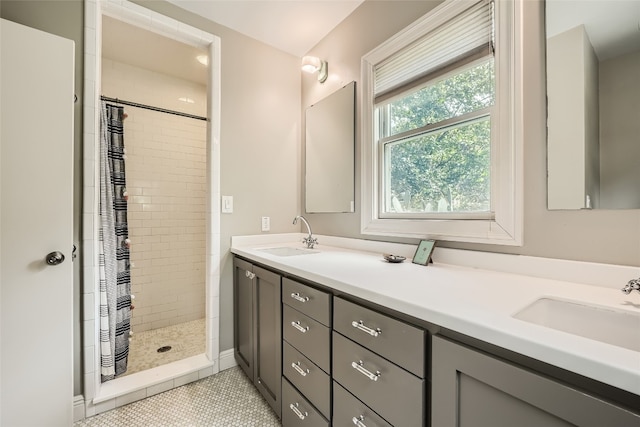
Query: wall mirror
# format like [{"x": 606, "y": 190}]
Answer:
[
  {"x": 593, "y": 104},
  {"x": 329, "y": 152}
]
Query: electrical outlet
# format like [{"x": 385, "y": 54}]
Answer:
[{"x": 266, "y": 223}]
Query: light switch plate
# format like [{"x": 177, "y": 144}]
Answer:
[
  {"x": 266, "y": 223},
  {"x": 227, "y": 204}
]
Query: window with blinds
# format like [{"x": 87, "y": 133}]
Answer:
[
  {"x": 455, "y": 42},
  {"x": 442, "y": 136},
  {"x": 433, "y": 104}
]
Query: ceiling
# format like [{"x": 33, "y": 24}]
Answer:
[
  {"x": 613, "y": 26},
  {"x": 294, "y": 26}
]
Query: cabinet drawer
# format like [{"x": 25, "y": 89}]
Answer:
[
  {"x": 397, "y": 395},
  {"x": 297, "y": 411},
  {"x": 397, "y": 341},
  {"x": 346, "y": 408},
  {"x": 310, "y": 301},
  {"x": 312, "y": 381},
  {"x": 309, "y": 337}
]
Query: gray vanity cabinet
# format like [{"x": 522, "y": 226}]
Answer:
[
  {"x": 380, "y": 362},
  {"x": 321, "y": 359},
  {"x": 243, "y": 289},
  {"x": 257, "y": 328},
  {"x": 306, "y": 326},
  {"x": 473, "y": 389}
]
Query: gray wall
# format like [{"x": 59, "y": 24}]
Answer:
[{"x": 605, "y": 236}]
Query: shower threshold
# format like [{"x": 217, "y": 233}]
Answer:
[{"x": 156, "y": 380}]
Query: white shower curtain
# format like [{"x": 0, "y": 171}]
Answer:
[{"x": 113, "y": 254}]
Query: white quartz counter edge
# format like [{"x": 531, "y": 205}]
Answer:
[{"x": 475, "y": 302}]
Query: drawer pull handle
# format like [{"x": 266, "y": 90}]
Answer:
[
  {"x": 249, "y": 274},
  {"x": 298, "y": 412},
  {"x": 299, "y": 327},
  {"x": 299, "y": 369},
  {"x": 364, "y": 371},
  {"x": 296, "y": 296},
  {"x": 360, "y": 325},
  {"x": 358, "y": 421}
]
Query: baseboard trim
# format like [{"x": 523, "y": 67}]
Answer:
[
  {"x": 78, "y": 408},
  {"x": 227, "y": 360}
]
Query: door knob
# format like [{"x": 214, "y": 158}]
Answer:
[{"x": 54, "y": 258}]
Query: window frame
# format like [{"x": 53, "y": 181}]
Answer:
[
  {"x": 383, "y": 141},
  {"x": 505, "y": 227}
]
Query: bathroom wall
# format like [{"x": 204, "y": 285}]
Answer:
[
  {"x": 605, "y": 236},
  {"x": 166, "y": 183},
  {"x": 261, "y": 150}
]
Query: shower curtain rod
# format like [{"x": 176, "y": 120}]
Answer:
[{"x": 150, "y": 107}]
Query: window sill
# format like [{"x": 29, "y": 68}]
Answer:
[{"x": 469, "y": 231}]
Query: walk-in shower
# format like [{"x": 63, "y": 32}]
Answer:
[
  {"x": 174, "y": 237},
  {"x": 165, "y": 134}
]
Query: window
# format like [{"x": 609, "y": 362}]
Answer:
[
  {"x": 435, "y": 145},
  {"x": 441, "y": 122}
]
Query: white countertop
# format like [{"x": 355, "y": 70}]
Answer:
[{"x": 472, "y": 301}]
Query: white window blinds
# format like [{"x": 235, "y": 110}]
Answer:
[{"x": 462, "y": 38}]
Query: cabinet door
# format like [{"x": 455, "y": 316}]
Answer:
[
  {"x": 397, "y": 395},
  {"x": 268, "y": 337},
  {"x": 472, "y": 389},
  {"x": 297, "y": 411},
  {"x": 243, "y": 318}
]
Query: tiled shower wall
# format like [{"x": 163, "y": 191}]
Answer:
[{"x": 166, "y": 183}]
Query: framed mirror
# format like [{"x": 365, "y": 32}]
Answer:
[
  {"x": 593, "y": 104},
  {"x": 329, "y": 153}
]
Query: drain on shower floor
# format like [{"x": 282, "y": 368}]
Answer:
[{"x": 164, "y": 349}]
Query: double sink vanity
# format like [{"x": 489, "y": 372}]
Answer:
[{"x": 336, "y": 335}]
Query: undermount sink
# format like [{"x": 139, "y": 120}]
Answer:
[
  {"x": 288, "y": 251},
  {"x": 619, "y": 328}
]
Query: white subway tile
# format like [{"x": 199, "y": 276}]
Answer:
[
  {"x": 206, "y": 372},
  {"x": 105, "y": 406},
  {"x": 87, "y": 226},
  {"x": 186, "y": 379},
  {"x": 89, "y": 359},
  {"x": 90, "y": 40},
  {"x": 89, "y": 306},
  {"x": 89, "y": 332},
  {"x": 160, "y": 388},
  {"x": 130, "y": 398}
]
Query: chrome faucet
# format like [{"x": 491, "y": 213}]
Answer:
[
  {"x": 633, "y": 285},
  {"x": 310, "y": 241}
]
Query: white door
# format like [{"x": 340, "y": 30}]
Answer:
[{"x": 36, "y": 202}]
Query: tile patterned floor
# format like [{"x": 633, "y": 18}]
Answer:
[
  {"x": 227, "y": 399},
  {"x": 186, "y": 340}
]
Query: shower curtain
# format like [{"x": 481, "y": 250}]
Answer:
[{"x": 113, "y": 253}]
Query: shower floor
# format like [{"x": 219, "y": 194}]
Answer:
[{"x": 186, "y": 340}]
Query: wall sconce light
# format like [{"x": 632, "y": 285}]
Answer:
[{"x": 311, "y": 64}]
